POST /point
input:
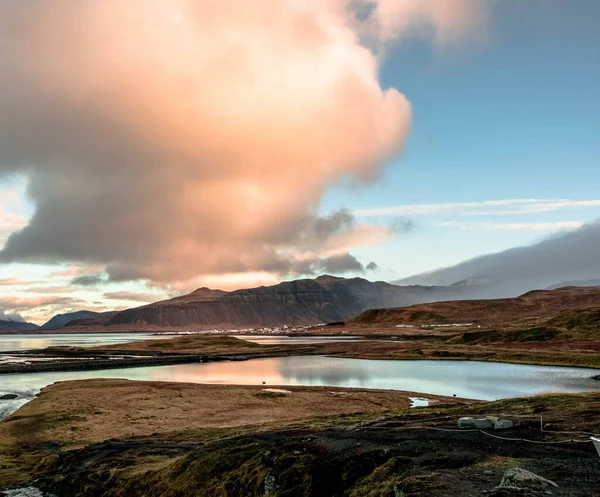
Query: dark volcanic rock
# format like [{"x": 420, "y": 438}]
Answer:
[{"x": 9, "y": 396}]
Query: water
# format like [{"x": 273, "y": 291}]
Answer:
[
  {"x": 13, "y": 342},
  {"x": 470, "y": 379}
]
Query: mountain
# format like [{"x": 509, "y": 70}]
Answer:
[
  {"x": 533, "y": 307},
  {"x": 61, "y": 320},
  {"x": 305, "y": 301},
  {"x": 9, "y": 325},
  {"x": 562, "y": 284},
  {"x": 571, "y": 256},
  {"x": 100, "y": 319}
]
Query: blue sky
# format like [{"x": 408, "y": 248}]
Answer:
[
  {"x": 503, "y": 151},
  {"x": 515, "y": 117}
]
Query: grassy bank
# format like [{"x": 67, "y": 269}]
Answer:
[
  {"x": 434, "y": 348},
  {"x": 70, "y": 415},
  {"x": 122, "y": 438}
]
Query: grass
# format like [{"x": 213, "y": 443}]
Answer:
[
  {"x": 385, "y": 480},
  {"x": 283, "y": 458}
]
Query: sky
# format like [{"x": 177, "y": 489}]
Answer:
[{"x": 153, "y": 147}]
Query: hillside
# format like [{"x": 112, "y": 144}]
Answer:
[
  {"x": 531, "y": 308},
  {"x": 98, "y": 320},
  {"x": 299, "y": 302},
  {"x": 61, "y": 320},
  {"x": 16, "y": 326}
]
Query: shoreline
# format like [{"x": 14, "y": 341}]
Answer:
[{"x": 210, "y": 348}]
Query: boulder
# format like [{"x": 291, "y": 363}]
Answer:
[
  {"x": 521, "y": 478},
  {"x": 484, "y": 423},
  {"x": 475, "y": 423},
  {"x": 518, "y": 482},
  {"x": 501, "y": 424}
]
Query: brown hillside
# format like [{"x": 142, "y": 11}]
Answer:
[{"x": 530, "y": 307}]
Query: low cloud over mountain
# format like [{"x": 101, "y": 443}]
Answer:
[{"x": 570, "y": 256}]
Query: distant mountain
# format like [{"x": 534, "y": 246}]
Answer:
[
  {"x": 532, "y": 307},
  {"x": 306, "y": 301},
  {"x": 580, "y": 283},
  {"x": 9, "y": 325},
  {"x": 61, "y": 320},
  {"x": 100, "y": 319}
]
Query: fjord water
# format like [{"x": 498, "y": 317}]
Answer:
[
  {"x": 28, "y": 341},
  {"x": 470, "y": 379}
]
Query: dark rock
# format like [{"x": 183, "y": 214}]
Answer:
[
  {"x": 9, "y": 396},
  {"x": 597, "y": 377}
]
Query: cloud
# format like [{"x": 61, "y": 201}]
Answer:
[
  {"x": 167, "y": 139},
  {"x": 402, "y": 225},
  {"x": 484, "y": 208},
  {"x": 134, "y": 296},
  {"x": 40, "y": 308},
  {"x": 10, "y": 316},
  {"x": 88, "y": 280},
  {"x": 49, "y": 289},
  {"x": 13, "y": 280},
  {"x": 339, "y": 264},
  {"x": 483, "y": 226},
  {"x": 29, "y": 303},
  {"x": 372, "y": 266},
  {"x": 571, "y": 256}
]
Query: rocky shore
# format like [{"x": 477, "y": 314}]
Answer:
[{"x": 116, "y": 438}]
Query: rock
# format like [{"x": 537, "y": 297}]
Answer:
[
  {"x": 271, "y": 487},
  {"x": 597, "y": 377},
  {"x": 22, "y": 492},
  {"x": 521, "y": 478},
  {"x": 484, "y": 423},
  {"x": 9, "y": 396},
  {"x": 501, "y": 424},
  {"x": 475, "y": 423}
]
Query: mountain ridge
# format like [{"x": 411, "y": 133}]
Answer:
[
  {"x": 297, "y": 302},
  {"x": 532, "y": 305},
  {"x": 17, "y": 326}
]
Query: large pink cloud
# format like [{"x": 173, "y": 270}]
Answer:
[{"x": 166, "y": 139}]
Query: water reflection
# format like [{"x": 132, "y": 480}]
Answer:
[
  {"x": 477, "y": 380},
  {"x": 15, "y": 341}
]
